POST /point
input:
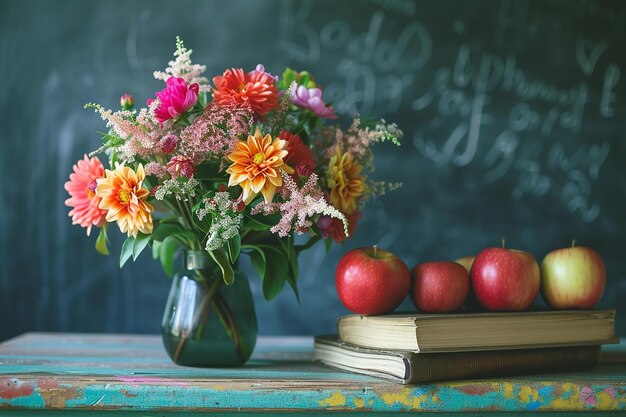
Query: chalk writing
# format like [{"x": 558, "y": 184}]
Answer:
[
  {"x": 367, "y": 77},
  {"x": 485, "y": 109},
  {"x": 611, "y": 77},
  {"x": 588, "y": 54}
]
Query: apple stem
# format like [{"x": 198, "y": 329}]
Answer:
[
  {"x": 503, "y": 242},
  {"x": 375, "y": 251},
  {"x": 573, "y": 242}
]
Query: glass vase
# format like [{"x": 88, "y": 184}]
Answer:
[{"x": 207, "y": 323}]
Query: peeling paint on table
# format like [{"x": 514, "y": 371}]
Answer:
[{"x": 115, "y": 373}]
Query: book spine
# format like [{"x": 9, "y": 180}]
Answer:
[{"x": 432, "y": 367}]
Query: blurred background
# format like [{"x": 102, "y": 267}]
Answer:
[{"x": 513, "y": 112}]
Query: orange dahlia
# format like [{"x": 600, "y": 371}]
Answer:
[
  {"x": 83, "y": 200},
  {"x": 256, "y": 90},
  {"x": 256, "y": 166},
  {"x": 344, "y": 181},
  {"x": 124, "y": 199}
]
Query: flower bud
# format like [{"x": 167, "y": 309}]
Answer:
[
  {"x": 181, "y": 165},
  {"x": 127, "y": 101},
  {"x": 168, "y": 143}
]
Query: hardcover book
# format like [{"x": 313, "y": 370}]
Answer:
[
  {"x": 409, "y": 367},
  {"x": 433, "y": 333}
]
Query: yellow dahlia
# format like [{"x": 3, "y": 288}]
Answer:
[
  {"x": 256, "y": 166},
  {"x": 124, "y": 199},
  {"x": 344, "y": 181}
]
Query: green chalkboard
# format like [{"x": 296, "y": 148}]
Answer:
[{"x": 513, "y": 111}]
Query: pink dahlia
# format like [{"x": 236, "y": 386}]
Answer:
[
  {"x": 83, "y": 199},
  {"x": 311, "y": 98},
  {"x": 175, "y": 99},
  {"x": 255, "y": 90}
]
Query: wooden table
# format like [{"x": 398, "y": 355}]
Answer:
[{"x": 126, "y": 375}]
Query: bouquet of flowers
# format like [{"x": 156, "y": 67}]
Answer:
[{"x": 234, "y": 166}]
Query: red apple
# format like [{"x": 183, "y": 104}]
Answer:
[
  {"x": 466, "y": 261},
  {"x": 439, "y": 287},
  {"x": 371, "y": 280},
  {"x": 572, "y": 277},
  {"x": 505, "y": 279}
]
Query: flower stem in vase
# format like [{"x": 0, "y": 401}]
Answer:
[
  {"x": 227, "y": 319},
  {"x": 201, "y": 311}
]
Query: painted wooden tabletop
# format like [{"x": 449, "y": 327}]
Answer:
[{"x": 123, "y": 374}]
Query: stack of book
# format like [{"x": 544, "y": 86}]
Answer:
[{"x": 414, "y": 348}]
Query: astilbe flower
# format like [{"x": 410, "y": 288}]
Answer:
[
  {"x": 215, "y": 133},
  {"x": 156, "y": 169},
  {"x": 123, "y": 197},
  {"x": 255, "y": 90},
  {"x": 181, "y": 67},
  {"x": 300, "y": 207},
  {"x": 335, "y": 229},
  {"x": 357, "y": 140},
  {"x": 141, "y": 134},
  {"x": 175, "y": 99},
  {"x": 311, "y": 98},
  {"x": 257, "y": 166},
  {"x": 345, "y": 182},
  {"x": 83, "y": 200}
]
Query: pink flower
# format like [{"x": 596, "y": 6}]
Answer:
[
  {"x": 261, "y": 70},
  {"x": 311, "y": 98},
  {"x": 83, "y": 199},
  {"x": 181, "y": 165},
  {"x": 175, "y": 99}
]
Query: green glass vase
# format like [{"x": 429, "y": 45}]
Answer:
[{"x": 207, "y": 323}]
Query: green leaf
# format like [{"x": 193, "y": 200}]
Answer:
[
  {"x": 164, "y": 230},
  {"x": 292, "y": 259},
  {"x": 186, "y": 238},
  {"x": 255, "y": 225},
  {"x": 276, "y": 271},
  {"x": 234, "y": 247},
  {"x": 101, "y": 242},
  {"x": 221, "y": 258},
  {"x": 140, "y": 243},
  {"x": 167, "y": 250},
  {"x": 310, "y": 243},
  {"x": 170, "y": 219},
  {"x": 202, "y": 99},
  {"x": 156, "y": 245},
  {"x": 328, "y": 243},
  {"x": 257, "y": 258},
  {"x": 127, "y": 250}
]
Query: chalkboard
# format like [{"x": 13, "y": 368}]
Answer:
[{"x": 513, "y": 113}]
